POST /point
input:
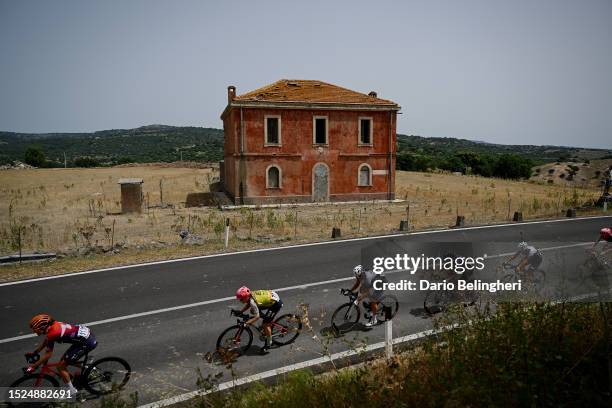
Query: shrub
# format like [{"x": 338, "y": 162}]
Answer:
[
  {"x": 34, "y": 156},
  {"x": 86, "y": 161}
]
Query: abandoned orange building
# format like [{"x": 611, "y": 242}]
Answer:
[{"x": 308, "y": 141}]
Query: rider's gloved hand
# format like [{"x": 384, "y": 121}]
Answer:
[{"x": 30, "y": 370}]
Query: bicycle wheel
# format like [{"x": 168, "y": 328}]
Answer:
[
  {"x": 285, "y": 329},
  {"x": 235, "y": 339},
  {"x": 387, "y": 303},
  {"x": 33, "y": 380},
  {"x": 345, "y": 317},
  {"x": 106, "y": 375}
]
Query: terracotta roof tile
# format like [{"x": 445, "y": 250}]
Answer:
[{"x": 309, "y": 91}]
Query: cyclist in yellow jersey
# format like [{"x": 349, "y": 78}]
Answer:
[{"x": 263, "y": 304}]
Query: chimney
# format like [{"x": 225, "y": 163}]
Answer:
[
  {"x": 231, "y": 93},
  {"x": 372, "y": 94}
]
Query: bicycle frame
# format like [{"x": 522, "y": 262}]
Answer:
[
  {"x": 53, "y": 370},
  {"x": 273, "y": 324}
]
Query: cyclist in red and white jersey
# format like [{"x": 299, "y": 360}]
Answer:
[
  {"x": 605, "y": 234},
  {"x": 81, "y": 339}
]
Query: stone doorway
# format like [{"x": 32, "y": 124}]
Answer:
[{"x": 320, "y": 183}]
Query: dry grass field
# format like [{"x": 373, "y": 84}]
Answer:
[
  {"x": 59, "y": 208},
  {"x": 69, "y": 210}
]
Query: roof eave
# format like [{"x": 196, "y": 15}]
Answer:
[{"x": 310, "y": 105}]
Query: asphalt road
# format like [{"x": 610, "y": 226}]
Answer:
[{"x": 166, "y": 348}]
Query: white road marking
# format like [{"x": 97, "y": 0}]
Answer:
[
  {"x": 229, "y": 298},
  {"x": 69, "y": 275}
]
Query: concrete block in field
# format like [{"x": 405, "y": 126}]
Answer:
[
  {"x": 518, "y": 216},
  {"x": 571, "y": 213},
  {"x": 404, "y": 226},
  {"x": 336, "y": 233}
]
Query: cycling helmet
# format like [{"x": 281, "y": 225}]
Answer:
[
  {"x": 605, "y": 233},
  {"x": 40, "y": 321},
  {"x": 243, "y": 293},
  {"x": 522, "y": 246},
  {"x": 358, "y": 270}
]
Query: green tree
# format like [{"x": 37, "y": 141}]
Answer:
[
  {"x": 512, "y": 166},
  {"x": 34, "y": 156}
]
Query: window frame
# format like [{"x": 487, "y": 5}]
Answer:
[
  {"x": 362, "y": 165},
  {"x": 280, "y": 177},
  {"x": 314, "y": 130},
  {"x": 266, "y": 143},
  {"x": 359, "y": 142}
]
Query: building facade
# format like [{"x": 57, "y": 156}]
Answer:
[{"x": 308, "y": 141}]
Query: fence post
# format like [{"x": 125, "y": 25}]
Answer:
[
  {"x": 389, "y": 338},
  {"x": 226, "y": 232},
  {"x": 20, "y": 244}
]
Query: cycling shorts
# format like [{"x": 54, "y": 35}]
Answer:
[
  {"x": 535, "y": 260},
  {"x": 79, "y": 349},
  {"x": 270, "y": 313}
]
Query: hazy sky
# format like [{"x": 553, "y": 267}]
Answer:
[{"x": 515, "y": 72}]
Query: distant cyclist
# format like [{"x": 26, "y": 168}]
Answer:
[
  {"x": 81, "y": 339},
  {"x": 263, "y": 304},
  {"x": 605, "y": 234},
  {"x": 531, "y": 258},
  {"x": 364, "y": 282}
]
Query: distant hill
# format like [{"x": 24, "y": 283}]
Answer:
[
  {"x": 590, "y": 173},
  {"x": 442, "y": 146},
  {"x": 160, "y": 143},
  {"x": 154, "y": 143}
]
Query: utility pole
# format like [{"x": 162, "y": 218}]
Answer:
[
  {"x": 65, "y": 160},
  {"x": 181, "y": 155}
]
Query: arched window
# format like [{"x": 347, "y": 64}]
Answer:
[
  {"x": 365, "y": 175},
  {"x": 273, "y": 177}
]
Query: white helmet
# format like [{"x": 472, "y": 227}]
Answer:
[
  {"x": 522, "y": 246},
  {"x": 357, "y": 270}
]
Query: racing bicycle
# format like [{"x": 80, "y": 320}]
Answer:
[
  {"x": 238, "y": 338},
  {"x": 534, "y": 278},
  {"x": 593, "y": 272},
  {"x": 347, "y": 315},
  {"x": 99, "y": 377}
]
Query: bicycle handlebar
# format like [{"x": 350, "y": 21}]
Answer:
[
  {"x": 237, "y": 313},
  {"x": 346, "y": 292}
]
